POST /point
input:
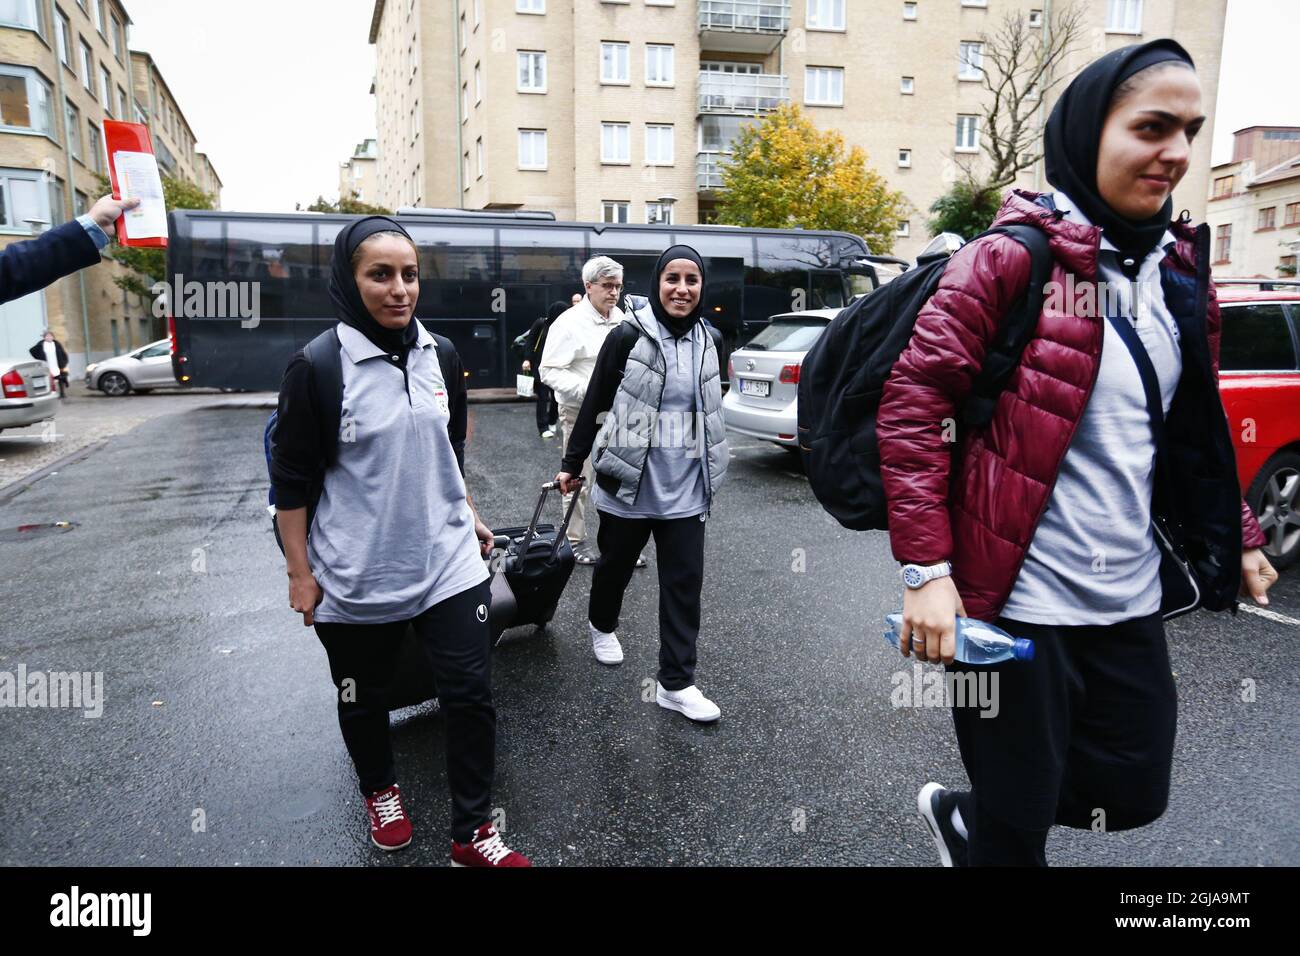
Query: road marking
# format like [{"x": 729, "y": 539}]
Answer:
[{"x": 1271, "y": 615}]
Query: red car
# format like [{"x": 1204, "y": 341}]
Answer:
[{"x": 1259, "y": 379}]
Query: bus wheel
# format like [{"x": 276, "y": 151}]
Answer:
[{"x": 114, "y": 384}]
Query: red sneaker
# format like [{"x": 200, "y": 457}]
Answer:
[
  {"x": 390, "y": 827},
  {"x": 485, "y": 849}
]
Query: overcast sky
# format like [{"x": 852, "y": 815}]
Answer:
[{"x": 278, "y": 91}]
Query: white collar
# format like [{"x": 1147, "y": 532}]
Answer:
[
  {"x": 1073, "y": 214},
  {"x": 358, "y": 348}
]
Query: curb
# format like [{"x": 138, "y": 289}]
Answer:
[{"x": 15, "y": 488}]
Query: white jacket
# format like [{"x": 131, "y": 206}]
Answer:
[{"x": 572, "y": 344}]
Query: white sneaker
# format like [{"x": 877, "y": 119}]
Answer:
[
  {"x": 688, "y": 701},
  {"x": 606, "y": 646}
]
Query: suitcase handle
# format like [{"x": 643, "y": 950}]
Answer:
[{"x": 537, "y": 513}]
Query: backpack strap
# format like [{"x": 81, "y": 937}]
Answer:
[
  {"x": 323, "y": 355},
  {"x": 1017, "y": 328}
]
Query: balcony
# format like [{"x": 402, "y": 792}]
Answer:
[
  {"x": 742, "y": 93},
  {"x": 708, "y": 169},
  {"x": 743, "y": 26}
]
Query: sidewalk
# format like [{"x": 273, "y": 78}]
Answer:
[{"x": 86, "y": 418}]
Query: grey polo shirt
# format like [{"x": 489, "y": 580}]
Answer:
[{"x": 393, "y": 534}]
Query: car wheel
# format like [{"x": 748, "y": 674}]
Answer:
[
  {"x": 1274, "y": 496},
  {"x": 114, "y": 384}
]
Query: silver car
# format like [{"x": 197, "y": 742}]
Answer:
[
  {"x": 762, "y": 400},
  {"x": 140, "y": 371},
  {"x": 26, "y": 396}
]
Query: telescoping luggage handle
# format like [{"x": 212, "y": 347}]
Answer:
[{"x": 537, "y": 513}]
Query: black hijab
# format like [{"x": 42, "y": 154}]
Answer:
[
  {"x": 678, "y": 327},
  {"x": 347, "y": 299},
  {"x": 557, "y": 309},
  {"x": 1073, "y": 136}
]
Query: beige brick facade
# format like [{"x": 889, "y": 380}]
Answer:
[
  {"x": 1254, "y": 205},
  {"x": 50, "y": 103},
  {"x": 442, "y": 88}
]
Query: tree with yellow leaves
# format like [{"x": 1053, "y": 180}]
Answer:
[{"x": 785, "y": 172}]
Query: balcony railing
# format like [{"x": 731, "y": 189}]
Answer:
[
  {"x": 745, "y": 93},
  {"x": 708, "y": 169},
  {"x": 749, "y": 16}
]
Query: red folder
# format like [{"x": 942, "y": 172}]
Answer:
[{"x": 133, "y": 138}]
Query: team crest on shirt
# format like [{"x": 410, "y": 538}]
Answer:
[{"x": 441, "y": 398}]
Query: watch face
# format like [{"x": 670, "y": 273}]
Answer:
[{"x": 912, "y": 577}]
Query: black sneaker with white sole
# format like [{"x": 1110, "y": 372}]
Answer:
[{"x": 935, "y": 805}]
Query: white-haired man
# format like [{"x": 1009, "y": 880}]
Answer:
[{"x": 567, "y": 363}]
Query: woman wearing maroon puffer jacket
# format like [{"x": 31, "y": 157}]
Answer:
[{"x": 1042, "y": 520}]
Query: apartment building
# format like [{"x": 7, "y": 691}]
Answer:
[
  {"x": 359, "y": 176},
  {"x": 623, "y": 110},
  {"x": 173, "y": 139},
  {"x": 65, "y": 67},
  {"x": 1254, "y": 204}
]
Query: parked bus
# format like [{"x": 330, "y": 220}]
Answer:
[{"x": 484, "y": 278}]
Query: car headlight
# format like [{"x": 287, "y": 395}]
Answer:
[{"x": 91, "y": 367}]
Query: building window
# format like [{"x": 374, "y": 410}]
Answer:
[
  {"x": 464, "y": 34},
  {"x": 97, "y": 16},
  {"x": 974, "y": 3},
  {"x": 909, "y": 11},
  {"x": 106, "y": 89},
  {"x": 25, "y": 101},
  {"x": 465, "y": 169},
  {"x": 478, "y": 155},
  {"x": 532, "y": 72},
  {"x": 29, "y": 14},
  {"x": 968, "y": 136},
  {"x": 904, "y": 228},
  {"x": 122, "y": 109},
  {"x": 615, "y": 145},
  {"x": 117, "y": 38},
  {"x": 1266, "y": 218},
  {"x": 72, "y": 119},
  {"x": 530, "y": 6},
  {"x": 1286, "y": 265},
  {"x": 478, "y": 13},
  {"x": 658, "y": 145},
  {"x": 478, "y": 84},
  {"x": 658, "y": 65},
  {"x": 907, "y": 85},
  {"x": 80, "y": 203},
  {"x": 1222, "y": 243},
  {"x": 614, "y": 211},
  {"x": 87, "y": 67},
  {"x": 464, "y": 102},
  {"x": 1124, "y": 16},
  {"x": 63, "y": 39},
  {"x": 1292, "y": 214},
  {"x": 1222, "y": 187},
  {"x": 532, "y": 149},
  {"x": 904, "y": 158},
  {"x": 970, "y": 57},
  {"x": 613, "y": 63},
  {"x": 823, "y": 86},
  {"x": 1035, "y": 18},
  {"x": 825, "y": 15},
  {"x": 659, "y": 213},
  {"x": 23, "y": 203},
  {"x": 95, "y": 147}
]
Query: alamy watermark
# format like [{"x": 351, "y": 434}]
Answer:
[
  {"x": 924, "y": 687},
  {"x": 209, "y": 300},
  {"x": 70, "y": 690}
]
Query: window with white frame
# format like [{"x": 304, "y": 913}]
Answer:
[
  {"x": 24, "y": 13},
  {"x": 968, "y": 135},
  {"x": 464, "y": 34},
  {"x": 22, "y": 200},
  {"x": 478, "y": 155},
  {"x": 658, "y": 64},
  {"x": 661, "y": 3},
  {"x": 464, "y": 102},
  {"x": 907, "y": 85},
  {"x": 974, "y": 3},
  {"x": 95, "y": 148},
  {"x": 532, "y": 149},
  {"x": 25, "y": 100},
  {"x": 970, "y": 58},
  {"x": 478, "y": 12},
  {"x": 87, "y": 67},
  {"x": 530, "y": 6},
  {"x": 909, "y": 11},
  {"x": 1035, "y": 18},
  {"x": 825, "y": 15},
  {"x": 97, "y": 15},
  {"x": 613, "y": 63},
  {"x": 532, "y": 71},
  {"x": 613, "y": 210},
  {"x": 72, "y": 122},
  {"x": 478, "y": 83},
  {"x": 658, "y": 144},
  {"x": 659, "y": 213},
  {"x": 1124, "y": 16},
  {"x": 123, "y": 109},
  {"x": 904, "y": 158},
  {"x": 465, "y": 169},
  {"x": 105, "y": 89},
  {"x": 823, "y": 86},
  {"x": 904, "y": 228},
  {"x": 63, "y": 38},
  {"x": 117, "y": 37},
  {"x": 615, "y": 143}
]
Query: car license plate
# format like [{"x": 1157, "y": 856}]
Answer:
[
  {"x": 41, "y": 384},
  {"x": 749, "y": 386}
]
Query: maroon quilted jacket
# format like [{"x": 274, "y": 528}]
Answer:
[{"x": 984, "y": 520}]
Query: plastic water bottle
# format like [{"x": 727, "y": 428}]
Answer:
[{"x": 977, "y": 642}]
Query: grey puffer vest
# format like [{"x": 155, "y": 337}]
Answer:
[{"x": 623, "y": 443}]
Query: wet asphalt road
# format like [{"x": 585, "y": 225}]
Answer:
[{"x": 219, "y": 743}]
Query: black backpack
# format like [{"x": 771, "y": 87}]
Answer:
[
  {"x": 326, "y": 362},
  {"x": 843, "y": 374}
]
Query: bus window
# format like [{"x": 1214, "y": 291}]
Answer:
[
  {"x": 282, "y": 258},
  {"x": 724, "y": 258},
  {"x": 827, "y": 291},
  {"x": 778, "y": 281},
  {"x": 636, "y": 250},
  {"x": 458, "y": 271}
]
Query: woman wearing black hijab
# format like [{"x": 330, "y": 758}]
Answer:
[
  {"x": 1044, "y": 522},
  {"x": 394, "y": 539},
  {"x": 660, "y": 458}
]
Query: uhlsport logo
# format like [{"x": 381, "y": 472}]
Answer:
[{"x": 482, "y": 612}]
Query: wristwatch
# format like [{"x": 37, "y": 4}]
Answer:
[{"x": 916, "y": 575}]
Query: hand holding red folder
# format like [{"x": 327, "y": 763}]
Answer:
[{"x": 133, "y": 170}]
